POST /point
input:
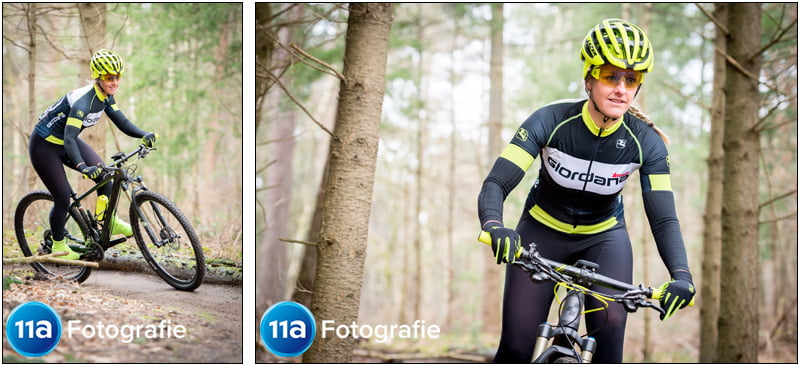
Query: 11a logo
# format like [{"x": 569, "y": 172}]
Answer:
[
  {"x": 295, "y": 329},
  {"x": 42, "y": 329},
  {"x": 288, "y": 329},
  {"x": 33, "y": 329}
]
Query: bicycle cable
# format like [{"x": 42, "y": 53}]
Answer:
[{"x": 603, "y": 299}]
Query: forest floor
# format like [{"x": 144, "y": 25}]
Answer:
[{"x": 212, "y": 316}]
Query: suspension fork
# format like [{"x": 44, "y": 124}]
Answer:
[
  {"x": 569, "y": 317},
  {"x": 143, "y": 219}
]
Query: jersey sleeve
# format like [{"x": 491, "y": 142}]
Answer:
[
  {"x": 121, "y": 121},
  {"x": 73, "y": 127},
  {"x": 510, "y": 167},
  {"x": 659, "y": 205}
]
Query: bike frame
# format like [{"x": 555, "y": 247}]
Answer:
[{"x": 120, "y": 181}]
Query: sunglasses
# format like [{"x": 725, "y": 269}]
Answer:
[
  {"x": 110, "y": 77},
  {"x": 611, "y": 76}
]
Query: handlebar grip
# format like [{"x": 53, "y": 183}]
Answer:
[
  {"x": 486, "y": 238},
  {"x": 657, "y": 294}
]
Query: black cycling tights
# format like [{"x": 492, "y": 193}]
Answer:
[
  {"x": 47, "y": 159},
  {"x": 526, "y": 304}
]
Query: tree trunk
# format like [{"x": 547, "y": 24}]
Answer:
[
  {"x": 93, "y": 27},
  {"x": 712, "y": 234},
  {"x": 263, "y": 50},
  {"x": 738, "y": 315},
  {"x": 354, "y": 148},
  {"x": 449, "y": 268},
  {"x": 31, "y": 13},
  {"x": 415, "y": 283},
  {"x": 647, "y": 239},
  {"x": 492, "y": 274},
  {"x": 272, "y": 278},
  {"x": 305, "y": 279}
]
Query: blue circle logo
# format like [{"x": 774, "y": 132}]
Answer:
[
  {"x": 288, "y": 329},
  {"x": 33, "y": 329}
]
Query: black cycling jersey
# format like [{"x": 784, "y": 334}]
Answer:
[
  {"x": 78, "y": 109},
  {"x": 583, "y": 171}
]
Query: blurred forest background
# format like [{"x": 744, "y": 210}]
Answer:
[
  {"x": 437, "y": 145},
  {"x": 182, "y": 80}
]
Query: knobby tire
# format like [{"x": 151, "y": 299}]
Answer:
[{"x": 167, "y": 240}]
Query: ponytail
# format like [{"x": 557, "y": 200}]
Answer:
[{"x": 639, "y": 114}]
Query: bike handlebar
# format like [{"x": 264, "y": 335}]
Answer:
[
  {"x": 121, "y": 157},
  {"x": 555, "y": 271}
]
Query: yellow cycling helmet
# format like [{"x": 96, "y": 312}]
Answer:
[
  {"x": 619, "y": 43},
  {"x": 106, "y": 62}
]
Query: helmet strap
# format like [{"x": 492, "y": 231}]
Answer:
[
  {"x": 100, "y": 85},
  {"x": 606, "y": 118}
]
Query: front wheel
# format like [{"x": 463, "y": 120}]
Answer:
[
  {"x": 32, "y": 228},
  {"x": 167, "y": 240}
]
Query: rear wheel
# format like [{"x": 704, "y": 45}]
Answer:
[
  {"x": 167, "y": 240},
  {"x": 32, "y": 228}
]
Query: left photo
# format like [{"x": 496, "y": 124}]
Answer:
[{"x": 122, "y": 183}]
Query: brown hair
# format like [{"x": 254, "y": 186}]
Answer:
[{"x": 639, "y": 114}]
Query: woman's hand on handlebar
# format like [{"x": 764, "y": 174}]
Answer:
[
  {"x": 90, "y": 172},
  {"x": 505, "y": 242},
  {"x": 674, "y": 295}
]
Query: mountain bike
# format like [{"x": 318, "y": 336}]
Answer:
[
  {"x": 566, "y": 345},
  {"x": 165, "y": 237}
]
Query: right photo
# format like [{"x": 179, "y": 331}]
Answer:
[{"x": 514, "y": 183}]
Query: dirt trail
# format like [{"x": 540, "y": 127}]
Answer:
[{"x": 212, "y": 316}]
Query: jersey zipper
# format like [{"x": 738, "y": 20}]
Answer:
[{"x": 588, "y": 172}]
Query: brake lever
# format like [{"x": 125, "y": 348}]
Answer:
[
  {"x": 646, "y": 303},
  {"x": 145, "y": 150}
]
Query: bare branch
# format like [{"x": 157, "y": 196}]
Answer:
[
  {"x": 52, "y": 44},
  {"x": 744, "y": 71},
  {"x": 778, "y": 219},
  {"x": 16, "y": 44},
  {"x": 781, "y": 124},
  {"x": 299, "y": 104},
  {"x": 298, "y": 241},
  {"x": 50, "y": 257},
  {"x": 687, "y": 97},
  {"x": 762, "y": 125},
  {"x": 714, "y": 20},
  {"x": 779, "y": 197},
  {"x": 327, "y": 66},
  {"x": 777, "y": 39},
  {"x": 260, "y": 169}
]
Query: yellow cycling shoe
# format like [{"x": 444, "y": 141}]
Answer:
[
  {"x": 59, "y": 246},
  {"x": 119, "y": 226}
]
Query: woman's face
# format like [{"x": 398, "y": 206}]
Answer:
[
  {"x": 613, "y": 89},
  {"x": 109, "y": 83}
]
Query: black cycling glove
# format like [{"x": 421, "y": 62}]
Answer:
[
  {"x": 505, "y": 242},
  {"x": 677, "y": 294}
]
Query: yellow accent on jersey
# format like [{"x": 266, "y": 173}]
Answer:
[
  {"x": 518, "y": 156},
  {"x": 545, "y": 218},
  {"x": 75, "y": 122},
  {"x": 589, "y": 122},
  {"x": 660, "y": 182},
  {"x": 55, "y": 140}
]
